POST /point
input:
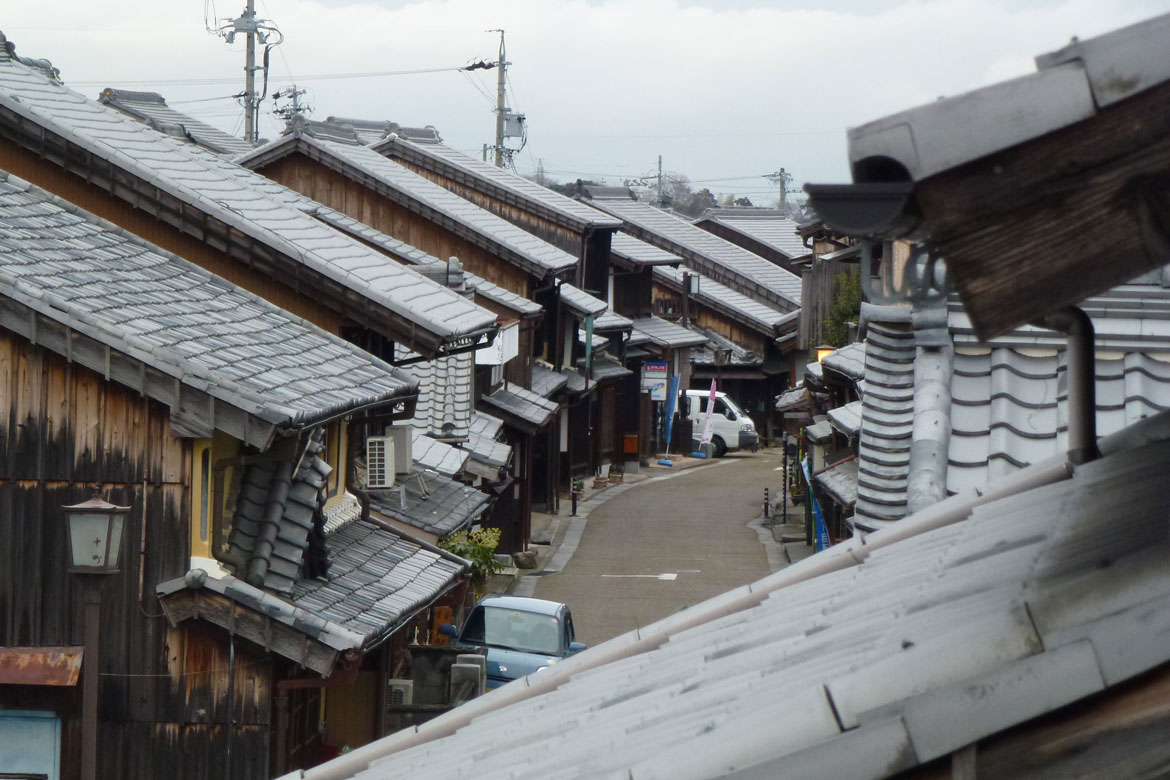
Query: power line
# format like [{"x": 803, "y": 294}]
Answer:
[{"x": 212, "y": 81}]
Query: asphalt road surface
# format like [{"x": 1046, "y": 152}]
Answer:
[{"x": 665, "y": 545}]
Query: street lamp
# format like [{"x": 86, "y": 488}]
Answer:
[{"x": 95, "y": 541}]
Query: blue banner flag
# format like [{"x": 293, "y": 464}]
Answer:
[
  {"x": 671, "y": 404},
  {"x": 822, "y": 532}
]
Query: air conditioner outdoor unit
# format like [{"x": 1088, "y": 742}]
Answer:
[
  {"x": 402, "y": 435},
  {"x": 399, "y": 693},
  {"x": 380, "y": 452}
]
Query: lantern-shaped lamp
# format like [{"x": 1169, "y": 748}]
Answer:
[
  {"x": 824, "y": 351},
  {"x": 95, "y": 535}
]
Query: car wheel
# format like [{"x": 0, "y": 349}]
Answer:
[{"x": 720, "y": 447}]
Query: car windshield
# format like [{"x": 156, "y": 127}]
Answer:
[
  {"x": 512, "y": 629},
  {"x": 733, "y": 406}
]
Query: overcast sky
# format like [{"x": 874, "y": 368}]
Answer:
[{"x": 725, "y": 91}]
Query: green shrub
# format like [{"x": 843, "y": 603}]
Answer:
[{"x": 478, "y": 547}]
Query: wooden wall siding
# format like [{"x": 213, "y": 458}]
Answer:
[
  {"x": 721, "y": 324},
  {"x": 96, "y": 200},
  {"x": 816, "y": 298},
  {"x": 63, "y": 428},
  {"x": 326, "y": 186},
  {"x": 633, "y": 293},
  {"x": 563, "y": 238}
]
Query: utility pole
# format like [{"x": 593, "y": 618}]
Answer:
[
  {"x": 256, "y": 30},
  {"x": 501, "y": 108},
  {"x": 250, "y": 102},
  {"x": 783, "y": 178},
  {"x": 659, "y": 181},
  {"x": 287, "y": 113}
]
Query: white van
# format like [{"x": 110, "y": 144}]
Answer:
[{"x": 731, "y": 428}]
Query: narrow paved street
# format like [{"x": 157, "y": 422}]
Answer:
[{"x": 664, "y": 545}]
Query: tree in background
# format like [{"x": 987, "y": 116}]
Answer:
[{"x": 846, "y": 308}]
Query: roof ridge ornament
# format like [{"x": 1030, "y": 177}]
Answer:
[{"x": 923, "y": 278}]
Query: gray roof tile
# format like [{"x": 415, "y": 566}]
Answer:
[
  {"x": 431, "y": 502},
  {"x": 498, "y": 182},
  {"x": 426, "y": 197},
  {"x": 438, "y": 456},
  {"x": 522, "y": 405},
  {"x": 769, "y": 227},
  {"x": 580, "y": 302},
  {"x": 636, "y": 252},
  {"x": 759, "y": 316},
  {"x": 934, "y": 641},
  {"x": 446, "y": 390},
  {"x": 177, "y": 318},
  {"x": 734, "y": 266},
  {"x": 256, "y": 206},
  {"x": 666, "y": 334},
  {"x": 151, "y": 109}
]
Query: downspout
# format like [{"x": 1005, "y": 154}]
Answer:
[
  {"x": 1082, "y": 389},
  {"x": 931, "y": 433}
]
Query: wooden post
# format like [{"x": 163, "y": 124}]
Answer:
[{"x": 91, "y": 585}]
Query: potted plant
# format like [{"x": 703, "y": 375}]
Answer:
[
  {"x": 599, "y": 482},
  {"x": 615, "y": 474},
  {"x": 578, "y": 488}
]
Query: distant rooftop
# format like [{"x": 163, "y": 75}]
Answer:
[{"x": 151, "y": 109}]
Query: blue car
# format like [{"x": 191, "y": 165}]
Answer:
[{"x": 521, "y": 635}]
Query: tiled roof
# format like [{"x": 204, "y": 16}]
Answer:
[
  {"x": 276, "y": 511},
  {"x": 605, "y": 368},
  {"x": 576, "y": 381},
  {"x": 378, "y": 578},
  {"x": 173, "y": 316},
  {"x": 847, "y": 418},
  {"x": 1003, "y": 405},
  {"x": 245, "y": 201},
  {"x": 370, "y": 131},
  {"x": 488, "y": 451},
  {"x": 839, "y": 481},
  {"x": 759, "y": 316},
  {"x": 446, "y": 393},
  {"x": 848, "y": 361},
  {"x": 636, "y": 252},
  {"x": 505, "y": 298},
  {"x": 611, "y": 320},
  {"x": 598, "y": 341},
  {"x": 427, "y": 453},
  {"x": 546, "y": 380},
  {"x": 151, "y": 109},
  {"x": 705, "y": 355},
  {"x": 865, "y": 660},
  {"x": 422, "y": 196},
  {"x": 409, "y": 254},
  {"x": 522, "y": 406},
  {"x": 667, "y": 334},
  {"x": 483, "y": 424},
  {"x": 887, "y": 417},
  {"x": 501, "y": 183},
  {"x": 580, "y": 302},
  {"x": 769, "y": 227},
  {"x": 430, "y": 502},
  {"x": 791, "y": 398},
  {"x": 734, "y": 266},
  {"x": 483, "y": 443}
]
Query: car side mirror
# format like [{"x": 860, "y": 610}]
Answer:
[
  {"x": 576, "y": 647},
  {"x": 446, "y": 629}
]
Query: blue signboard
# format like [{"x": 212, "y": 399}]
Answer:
[{"x": 822, "y": 532}]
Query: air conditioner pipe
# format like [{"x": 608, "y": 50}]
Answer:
[{"x": 1082, "y": 388}]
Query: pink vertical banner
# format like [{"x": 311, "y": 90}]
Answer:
[{"x": 707, "y": 424}]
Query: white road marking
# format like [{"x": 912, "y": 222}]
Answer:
[{"x": 670, "y": 576}]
